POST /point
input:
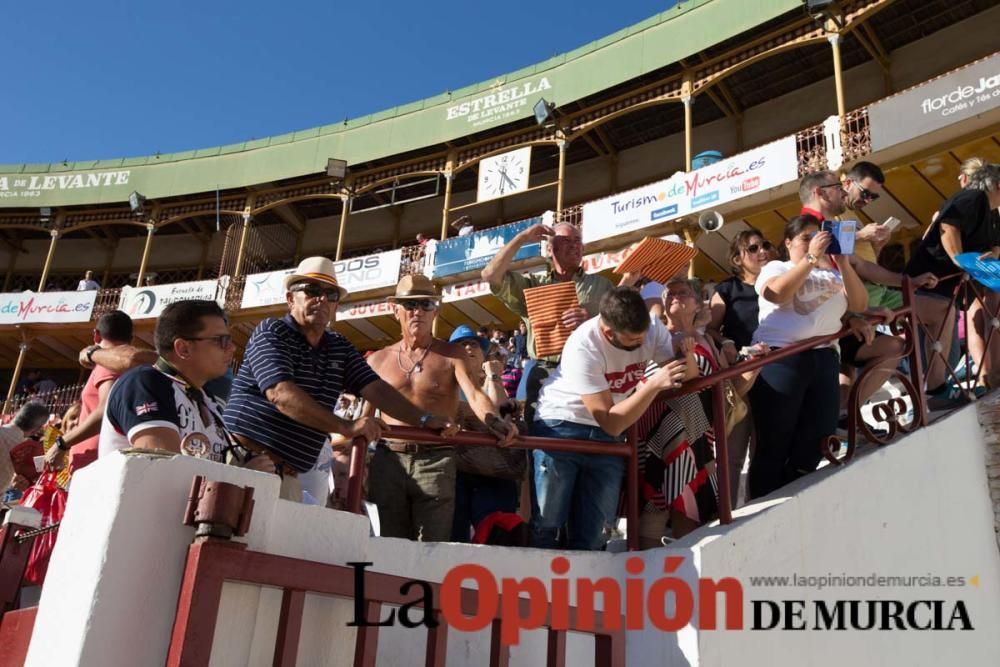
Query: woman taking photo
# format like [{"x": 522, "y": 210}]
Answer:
[
  {"x": 734, "y": 320},
  {"x": 795, "y": 401}
]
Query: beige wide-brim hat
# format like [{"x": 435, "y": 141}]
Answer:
[
  {"x": 416, "y": 286},
  {"x": 316, "y": 269}
]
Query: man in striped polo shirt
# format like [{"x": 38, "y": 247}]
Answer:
[{"x": 294, "y": 370}]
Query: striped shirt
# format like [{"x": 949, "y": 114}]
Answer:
[{"x": 278, "y": 352}]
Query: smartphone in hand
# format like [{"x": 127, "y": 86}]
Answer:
[{"x": 891, "y": 223}]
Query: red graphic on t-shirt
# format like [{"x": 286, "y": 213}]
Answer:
[{"x": 625, "y": 381}]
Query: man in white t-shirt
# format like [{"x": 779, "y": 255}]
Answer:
[{"x": 596, "y": 393}]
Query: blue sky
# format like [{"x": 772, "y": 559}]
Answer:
[{"x": 115, "y": 79}]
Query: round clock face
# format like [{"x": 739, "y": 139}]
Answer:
[{"x": 505, "y": 174}]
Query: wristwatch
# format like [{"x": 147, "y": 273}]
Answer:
[
  {"x": 90, "y": 353},
  {"x": 424, "y": 419},
  {"x": 811, "y": 258},
  {"x": 61, "y": 444}
]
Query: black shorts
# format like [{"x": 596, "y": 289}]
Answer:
[{"x": 849, "y": 347}]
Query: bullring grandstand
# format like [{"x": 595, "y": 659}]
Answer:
[{"x": 599, "y": 130}]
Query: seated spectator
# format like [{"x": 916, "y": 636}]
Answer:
[
  {"x": 88, "y": 283},
  {"x": 795, "y": 400},
  {"x": 71, "y": 417},
  {"x": 163, "y": 406},
  {"x": 966, "y": 222},
  {"x": 80, "y": 444},
  {"x": 595, "y": 394},
  {"x": 734, "y": 310},
  {"x": 28, "y": 422}
]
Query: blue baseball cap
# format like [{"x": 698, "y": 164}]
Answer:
[{"x": 465, "y": 332}]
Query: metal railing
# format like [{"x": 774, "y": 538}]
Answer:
[
  {"x": 57, "y": 400},
  {"x": 905, "y": 323}
]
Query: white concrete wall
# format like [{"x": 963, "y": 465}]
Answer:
[{"x": 919, "y": 506}]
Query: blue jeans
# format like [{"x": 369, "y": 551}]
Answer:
[{"x": 579, "y": 489}]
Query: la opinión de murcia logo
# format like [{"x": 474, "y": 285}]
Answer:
[
  {"x": 962, "y": 97},
  {"x": 667, "y": 603}
]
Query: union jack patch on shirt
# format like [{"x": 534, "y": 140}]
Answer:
[{"x": 146, "y": 408}]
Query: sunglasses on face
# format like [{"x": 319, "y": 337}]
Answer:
[
  {"x": 754, "y": 248},
  {"x": 314, "y": 291},
  {"x": 222, "y": 340},
  {"x": 411, "y": 305}
]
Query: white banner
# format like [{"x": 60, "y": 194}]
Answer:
[
  {"x": 24, "y": 307},
  {"x": 684, "y": 193},
  {"x": 362, "y": 309},
  {"x": 360, "y": 274},
  {"x": 264, "y": 289},
  {"x": 145, "y": 302},
  {"x": 357, "y": 274},
  {"x": 466, "y": 290}
]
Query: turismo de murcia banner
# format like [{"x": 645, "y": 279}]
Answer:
[
  {"x": 357, "y": 274},
  {"x": 963, "y": 94},
  {"x": 144, "y": 302},
  {"x": 25, "y": 307},
  {"x": 683, "y": 193}
]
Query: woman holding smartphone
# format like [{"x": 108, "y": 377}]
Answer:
[{"x": 795, "y": 401}]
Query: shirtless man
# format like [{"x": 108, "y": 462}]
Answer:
[{"x": 413, "y": 484}]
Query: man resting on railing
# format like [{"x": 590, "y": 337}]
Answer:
[
  {"x": 596, "y": 393},
  {"x": 294, "y": 370},
  {"x": 413, "y": 484}
]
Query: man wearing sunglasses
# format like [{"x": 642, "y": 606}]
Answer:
[
  {"x": 164, "y": 406},
  {"x": 825, "y": 197},
  {"x": 281, "y": 409},
  {"x": 413, "y": 484}
]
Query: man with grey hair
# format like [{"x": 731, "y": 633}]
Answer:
[
  {"x": 565, "y": 255},
  {"x": 28, "y": 422}
]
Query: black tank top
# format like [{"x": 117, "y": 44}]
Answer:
[{"x": 740, "y": 321}]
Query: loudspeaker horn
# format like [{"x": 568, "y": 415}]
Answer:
[{"x": 711, "y": 221}]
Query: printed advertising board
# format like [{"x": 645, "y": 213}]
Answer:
[{"x": 730, "y": 179}]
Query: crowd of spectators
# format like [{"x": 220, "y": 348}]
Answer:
[{"x": 303, "y": 394}]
